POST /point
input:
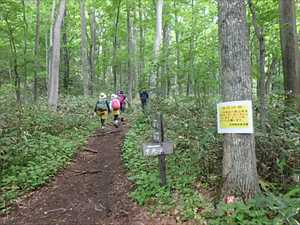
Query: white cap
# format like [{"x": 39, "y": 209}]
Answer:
[
  {"x": 114, "y": 96},
  {"x": 102, "y": 95}
]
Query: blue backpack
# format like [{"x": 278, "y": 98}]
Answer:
[{"x": 101, "y": 105}]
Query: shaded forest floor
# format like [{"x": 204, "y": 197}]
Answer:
[{"x": 93, "y": 189}]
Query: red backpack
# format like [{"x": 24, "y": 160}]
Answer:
[{"x": 115, "y": 104}]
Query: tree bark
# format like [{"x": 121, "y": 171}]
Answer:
[
  {"x": 261, "y": 62},
  {"x": 115, "y": 46},
  {"x": 25, "y": 42},
  {"x": 154, "y": 76},
  {"x": 66, "y": 79},
  {"x": 93, "y": 43},
  {"x": 130, "y": 52},
  {"x": 50, "y": 47},
  {"x": 191, "y": 53},
  {"x": 55, "y": 61},
  {"x": 142, "y": 44},
  {"x": 165, "y": 72},
  {"x": 239, "y": 159},
  {"x": 290, "y": 52},
  {"x": 177, "y": 38},
  {"x": 13, "y": 51},
  {"x": 84, "y": 56},
  {"x": 36, "y": 51}
]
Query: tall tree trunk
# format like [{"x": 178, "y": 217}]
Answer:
[
  {"x": 177, "y": 37},
  {"x": 50, "y": 48},
  {"x": 239, "y": 159},
  {"x": 36, "y": 51},
  {"x": 130, "y": 52},
  {"x": 165, "y": 71},
  {"x": 141, "y": 45},
  {"x": 25, "y": 42},
  {"x": 115, "y": 46},
  {"x": 290, "y": 52},
  {"x": 261, "y": 62},
  {"x": 154, "y": 76},
  {"x": 84, "y": 55},
  {"x": 134, "y": 50},
  {"x": 46, "y": 60},
  {"x": 93, "y": 43},
  {"x": 104, "y": 61},
  {"x": 14, "y": 63},
  {"x": 191, "y": 53},
  {"x": 66, "y": 79},
  {"x": 55, "y": 61}
]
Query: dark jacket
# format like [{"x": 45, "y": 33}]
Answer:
[{"x": 107, "y": 105}]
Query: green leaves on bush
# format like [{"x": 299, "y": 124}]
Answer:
[
  {"x": 262, "y": 210},
  {"x": 36, "y": 143}
]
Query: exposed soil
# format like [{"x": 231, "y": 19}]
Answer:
[{"x": 93, "y": 189}]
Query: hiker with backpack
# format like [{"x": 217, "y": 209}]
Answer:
[
  {"x": 122, "y": 99},
  {"x": 144, "y": 98},
  {"x": 102, "y": 108},
  {"x": 115, "y": 107}
]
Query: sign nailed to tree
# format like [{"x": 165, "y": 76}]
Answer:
[{"x": 235, "y": 117}]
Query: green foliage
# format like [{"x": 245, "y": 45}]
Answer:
[
  {"x": 182, "y": 169},
  {"x": 36, "y": 143},
  {"x": 262, "y": 210},
  {"x": 195, "y": 167},
  {"x": 278, "y": 150}
]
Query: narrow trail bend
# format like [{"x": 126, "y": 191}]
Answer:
[{"x": 92, "y": 190}]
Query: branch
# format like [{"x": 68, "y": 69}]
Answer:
[{"x": 258, "y": 29}]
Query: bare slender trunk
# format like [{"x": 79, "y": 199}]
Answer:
[
  {"x": 50, "y": 48},
  {"x": 261, "y": 62},
  {"x": 93, "y": 43},
  {"x": 66, "y": 78},
  {"x": 84, "y": 56},
  {"x": 239, "y": 159},
  {"x": 14, "y": 62},
  {"x": 36, "y": 51},
  {"x": 165, "y": 72},
  {"x": 142, "y": 44},
  {"x": 270, "y": 73},
  {"x": 290, "y": 52},
  {"x": 154, "y": 76},
  {"x": 130, "y": 53},
  {"x": 25, "y": 42},
  {"x": 55, "y": 61},
  {"x": 177, "y": 37},
  {"x": 192, "y": 47},
  {"x": 115, "y": 46},
  {"x": 104, "y": 61}
]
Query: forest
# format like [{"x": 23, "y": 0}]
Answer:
[{"x": 200, "y": 62}]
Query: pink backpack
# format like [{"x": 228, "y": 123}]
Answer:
[{"x": 115, "y": 104}]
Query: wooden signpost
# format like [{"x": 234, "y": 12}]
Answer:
[{"x": 159, "y": 147}]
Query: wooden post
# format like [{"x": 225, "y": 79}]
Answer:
[{"x": 162, "y": 156}]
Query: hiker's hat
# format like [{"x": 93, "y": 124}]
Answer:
[
  {"x": 113, "y": 96},
  {"x": 102, "y": 96}
]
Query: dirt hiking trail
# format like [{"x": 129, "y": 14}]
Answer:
[{"x": 92, "y": 190}]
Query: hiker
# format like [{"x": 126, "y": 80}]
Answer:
[
  {"x": 144, "y": 98},
  {"x": 122, "y": 99},
  {"x": 102, "y": 108},
  {"x": 115, "y": 107}
]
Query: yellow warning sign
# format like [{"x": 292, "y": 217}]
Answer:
[{"x": 234, "y": 116}]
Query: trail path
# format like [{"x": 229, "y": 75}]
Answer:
[{"x": 92, "y": 190}]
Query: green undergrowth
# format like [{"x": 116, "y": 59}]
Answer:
[
  {"x": 180, "y": 196},
  {"x": 36, "y": 143},
  {"x": 194, "y": 170}
]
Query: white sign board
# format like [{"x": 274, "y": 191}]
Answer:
[
  {"x": 235, "y": 117},
  {"x": 154, "y": 149}
]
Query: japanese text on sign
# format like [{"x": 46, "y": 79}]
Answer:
[{"x": 235, "y": 117}]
